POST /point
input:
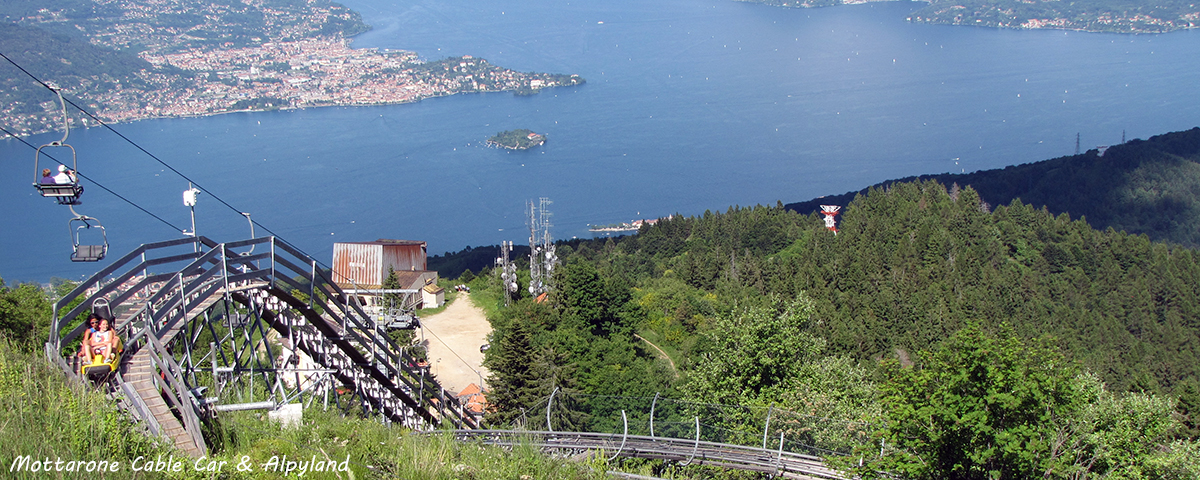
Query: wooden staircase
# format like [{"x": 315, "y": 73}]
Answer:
[
  {"x": 141, "y": 373},
  {"x": 141, "y": 376}
]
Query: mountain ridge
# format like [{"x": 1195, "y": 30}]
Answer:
[{"x": 1147, "y": 187}]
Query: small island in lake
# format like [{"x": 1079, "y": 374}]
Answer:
[
  {"x": 519, "y": 139},
  {"x": 630, "y": 226}
]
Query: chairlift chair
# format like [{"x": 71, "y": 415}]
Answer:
[
  {"x": 64, "y": 193},
  {"x": 87, "y": 252},
  {"x": 395, "y": 317}
]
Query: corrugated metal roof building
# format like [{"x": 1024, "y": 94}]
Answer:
[{"x": 364, "y": 265}]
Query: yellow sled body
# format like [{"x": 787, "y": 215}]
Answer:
[{"x": 99, "y": 367}]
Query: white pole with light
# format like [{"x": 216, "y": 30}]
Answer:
[{"x": 189, "y": 200}]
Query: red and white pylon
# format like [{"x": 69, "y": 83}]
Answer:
[{"x": 830, "y": 211}]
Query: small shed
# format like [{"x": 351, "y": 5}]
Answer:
[
  {"x": 364, "y": 265},
  {"x": 432, "y": 296},
  {"x": 360, "y": 268}
]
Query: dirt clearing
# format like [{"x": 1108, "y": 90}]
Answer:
[{"x": 453, "y": 338}]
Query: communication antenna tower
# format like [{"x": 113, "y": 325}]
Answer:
[
  {"x": 549, "y": 259},
  {"x": 831, "y": 211},
  {"x": 508, "y": 272},
  {"x": 1077, "y": 144},
  {"x": 542, "y": 258},
  {"x": 535, "y": 267}
]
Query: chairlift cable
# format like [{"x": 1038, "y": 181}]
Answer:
[
  {"x": 94, "y": 182},
  {"x": 160, "y": 161},
  {"x": 123, "y": 137}
]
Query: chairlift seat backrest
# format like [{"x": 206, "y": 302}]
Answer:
[{"x": 89, "y": 253}]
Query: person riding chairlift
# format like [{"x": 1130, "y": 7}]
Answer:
[{"x": 65, "y": 176}]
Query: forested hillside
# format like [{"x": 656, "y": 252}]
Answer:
[
  {"x": 1143, "y": 186},
  {"x": 764, "y": 306},
  {"x": 71, "y": 60},
  {"x": 914, "y": 262}
]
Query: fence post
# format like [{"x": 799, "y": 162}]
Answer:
[
  {"x": 697, "y": 445},
  {"x": 623, "y": 436},
  {"x": 312, "y": 284},
  {"x": 652, "y": 405},
  {"x": 183, "y": 310},
  {"x": 550, "y": 403},
  {"x": 767, "y": 425},
  {"x": 273, "y": 261},
  {"x": 225, "y": 267},
  {"x": 780, "y": 457},
  {"x": 55, "y": 334}
]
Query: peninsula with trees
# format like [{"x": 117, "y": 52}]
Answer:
[{"x": 519, "y": 139}]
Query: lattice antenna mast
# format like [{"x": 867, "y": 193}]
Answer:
[
  {"x": 508, "y": 271},
  {"x": 549, "y": 259},
  {"x": 535, "y": 253},
  {"x": 830, "y": 212}
]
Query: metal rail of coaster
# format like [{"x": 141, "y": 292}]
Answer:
[
  {"x": 165, "y": 294},
  {"x": 681, "y": 450}
]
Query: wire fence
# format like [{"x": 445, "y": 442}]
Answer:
[{"x": 658, "y": 416}]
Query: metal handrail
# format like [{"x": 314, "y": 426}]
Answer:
[
  {"x": 213, "y": 269},
  {"x": 677, "y": 449},
  {"x": 97, "y": 281},
  {"x": 180, "y": 395}
]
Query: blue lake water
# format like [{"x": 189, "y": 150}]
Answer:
[{"x": 690, "y": 105}]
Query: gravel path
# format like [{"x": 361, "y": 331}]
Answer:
[{"x": 453, "y": 338}]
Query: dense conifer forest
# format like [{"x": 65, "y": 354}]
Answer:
[
  {"x": 913, "y": 263},
  {"x": 926, "y": 292}
]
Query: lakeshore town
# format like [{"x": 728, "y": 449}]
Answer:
[
  {"x": 291, "y": 74},
  {"x": 314, "y": 72},
  {"x": 207, "y": 58}
]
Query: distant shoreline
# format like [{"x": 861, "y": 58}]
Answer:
[
  {"x": 1163, "y": 17},
  {"x": 279, "y": 109},
  {"x": 92, "y": 123}
]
